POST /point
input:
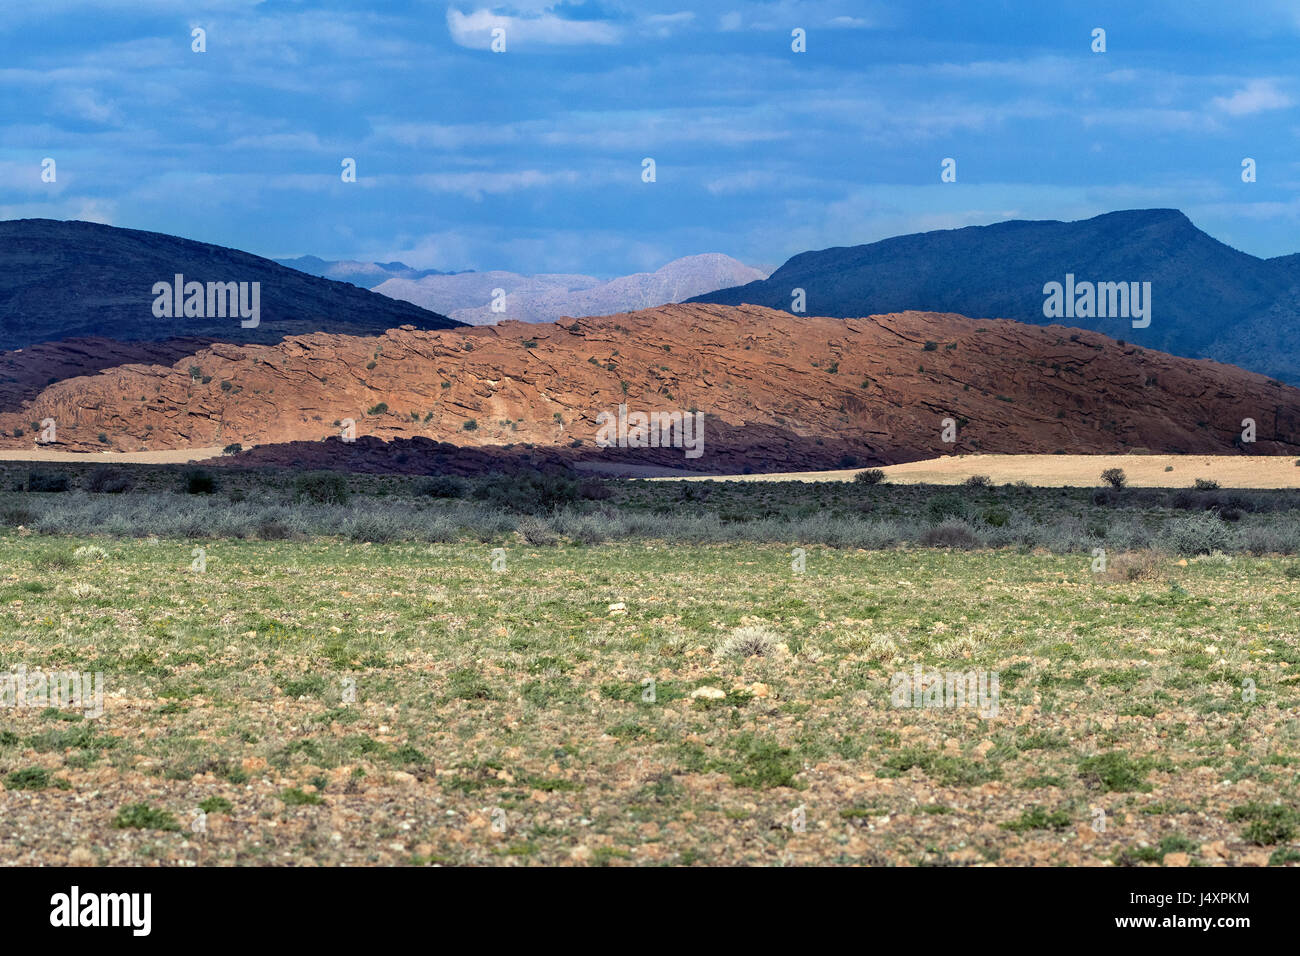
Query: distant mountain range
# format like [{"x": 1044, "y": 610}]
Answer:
[
  {"x": 66, "y": 280},
  {"x": 1208, "y": 300},
  {"x": 468, "y": 297},
  {"x": 472, "y": 290},
  {"x": 367, "y": 275}
]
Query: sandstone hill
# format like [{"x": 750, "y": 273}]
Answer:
[{"x": 780, "y": 392}]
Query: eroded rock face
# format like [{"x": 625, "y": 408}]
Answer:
[{"x": 780, "y": 391}]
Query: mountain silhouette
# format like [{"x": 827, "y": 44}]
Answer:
[
  {"x": 64, "y": 280},
  {"x": 1208, "y": 300}
]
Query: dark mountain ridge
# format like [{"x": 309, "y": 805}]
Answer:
[
  {"x": 63, "y": 280},
  {"x": 1208, "y": 300}
]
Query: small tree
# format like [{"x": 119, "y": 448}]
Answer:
[
  {"x": 323, "y": 487},
  {"x": 1115, "y": 477},
  {"x": 872, "y": 476}
]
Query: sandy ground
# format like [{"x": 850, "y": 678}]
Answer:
[
  {"x": 168, "y": 457},
  {"x": 1148, "y": 471},
  {"x": 1143, "y": 471}
]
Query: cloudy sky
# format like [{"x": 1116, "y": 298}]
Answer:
[{"x": 531, "y": 159}]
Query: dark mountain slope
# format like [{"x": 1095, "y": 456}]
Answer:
[
  {"x": 61, "y": 280},
  {"x": 1208, "y": 299}
]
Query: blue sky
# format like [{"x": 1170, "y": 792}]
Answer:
[{"x": 531, "y": 159}]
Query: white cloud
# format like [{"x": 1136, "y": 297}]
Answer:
[
  {"x": 1257, "y": 96},
  {"x": 751, "y": 180},
  {"x": 532, "y": 252},
  {"x": 474, "y": 30},
  {"x": 448, "y": 136},
  {"x": 88, "y": 210},
  {"x": 307, "y": 142},
  {"x": 88, "y": 105},
  {"x": 606, "y": 131},
  {"x": 783, "y": 15},
  {"x": 664, "y": 24},
  {"x": 97, "y": 210},
  {"x": 26, "y": 177},
  {"x": 1150, "y": 119},
  {"x": 477, "y": 184}
]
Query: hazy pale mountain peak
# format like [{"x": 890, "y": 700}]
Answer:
[{"x": 545, "y": 298}]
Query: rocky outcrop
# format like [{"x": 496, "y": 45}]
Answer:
[{"x": 779, "y": 392}]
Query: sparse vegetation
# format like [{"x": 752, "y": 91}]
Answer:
[
  {"x": 659, "y": 622},
  {"x": 324, "y": 487},
  {"x": 198, "y": 481},
  {"x": 46, "y": 482},
  {"x": 108, "y": 481},
  {"x": 749, "y": 641},
  {"x": 443, "y": 486},
  {"x": 141, "y": 816}
]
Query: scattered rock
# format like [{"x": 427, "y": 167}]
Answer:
[{"x": 708, "y": 693}]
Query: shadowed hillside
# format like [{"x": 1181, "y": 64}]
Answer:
[
  {"x": 62, "y": 280},
  {"x": 1208, "y": 300}
]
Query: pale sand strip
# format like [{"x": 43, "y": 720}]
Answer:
[
  {"x": 1143, "y": 471},
  {"x": 171, "y": 456}
]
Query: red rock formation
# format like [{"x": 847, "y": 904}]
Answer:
[
  {"x": 24, "y": 373},
  {"x": 780, "y": 391}
]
